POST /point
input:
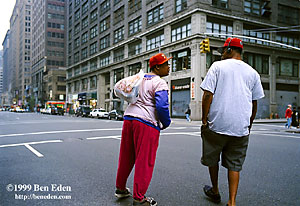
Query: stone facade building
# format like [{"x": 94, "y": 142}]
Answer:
[{"x": 111, "y": 39}]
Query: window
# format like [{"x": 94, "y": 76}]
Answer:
[
  {"x": 104, "y": 60},
  {"x": 93, "y": 64},
  {"x": 93, "y": 48},
  {"x": 287, "y": 67},
  {"x": 288, "y": 39},
  {"x": 85, "y": 8},
  {"x": 104, "y": 7},
  {"x": 155, "y": 15},
  {"x": 119, "y": 35},
  {"x": 180, "y": 5},
  {"x": 105, "y": 42},
  {"x": 116, "y": 1},
  {"x": 77, "y": 15},
  {"x": 220, "y": 3},
  {"x": 181, "y": 31},
  {"x": 155, "y": 41},
  {"x": 84, "y": 53},
  {"x": 85, "y": 23},
  {"x": 259, "y": 62},
  {"x": 84, "y": 84},
  {"x": 134, "y": 68},
  {"x": 216, "y": 27},
  {"x": 252, "y": 7},
  {"x": 135, "y": 48},
  {"x": 70, "y": 8},
  {"x": 77, "y": 2},
  {"x": 118, "y": 74},
  {"x": 76, "y": 42},
  {"x": 57, "y": 16},
  {"x": 76, "y": 58},
  {"x": 84, "y": 38},
  {"x": 119, "y": 15},
  {"x": 70, "y": 35},
  {"x": 61, "y": 78},
  {"x": 93, "y": 82},
  {"x": 77, "y": 29},
  {"x": 94, "y": 2},
  {"x": 134, "y": 6},
  {"x": 181, "y": 60},
  {"x": 77, "y": 85},
  {"x": 254, "y": 32},
  {"x": 288, "y": 15},
  {"x": 70, "y": 22},
  {"x": 119, "y": 54},
  {"x": 135, "y": 26},
  {"x": 61, "y": 88},
  {"x": 94, "y": 32},
  {"x": 84, "y": 68},
  {"x": 94, "y": 15},
  {"x": 105, "y": 24}
]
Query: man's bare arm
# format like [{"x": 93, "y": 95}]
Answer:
[
  {"x": 254, "y": 110},
  {"x": 206, "y": 102}
]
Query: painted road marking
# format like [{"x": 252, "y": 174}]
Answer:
[
  {"x": 105, "y": 137},
  {"x": 55, "y": 132},
  {"x": 27, "y": 145},
  {"x": 33, "y": 150}
]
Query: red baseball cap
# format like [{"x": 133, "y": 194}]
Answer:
[
  {"x": 236, "y": 42},
  {"x": 158, "y": 59}
]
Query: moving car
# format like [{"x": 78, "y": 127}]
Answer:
[
  {"x": 99, "y": 113},
  {"x": 116, "y": 114},
  {"x": 83, "y": 111}
]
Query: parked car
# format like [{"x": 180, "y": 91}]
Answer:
[
  {"x": 57, "y": 111},
  {"x": 83, "y": 111},
  {"x": 116, "y": 114},
  {"x": 99, "y": 113}
]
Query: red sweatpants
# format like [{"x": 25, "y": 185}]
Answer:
[{"x": 139, "y": 144}]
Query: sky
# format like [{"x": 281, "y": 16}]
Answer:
[{"x": 6, "y": 9}]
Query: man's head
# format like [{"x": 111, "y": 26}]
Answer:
[
  {"x": 159, "y": 64},
  {"x": 232, "y": 48},
  {"x": 289, "y": 106}
]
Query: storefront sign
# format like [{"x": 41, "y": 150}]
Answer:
[
  {"x": 193, "y": 90},
  {"x": 180, "y": 87}
]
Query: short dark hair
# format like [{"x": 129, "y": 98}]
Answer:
[{"x": 237, "y": 49}]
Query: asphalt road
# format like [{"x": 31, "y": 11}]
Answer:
[{"x": 75, "y": 159}]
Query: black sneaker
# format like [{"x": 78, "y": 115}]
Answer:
[
  {"x": 147, "y": 201},
  {"x": 216, "y": 198},
  {"x": 122, "y": 193}
]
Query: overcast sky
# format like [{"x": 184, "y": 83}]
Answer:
[{"x": 6, "y": 9}]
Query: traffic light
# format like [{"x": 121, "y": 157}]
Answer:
[
  {"x": 204, "y": 46},
  {"x": 266, "y": 8}
]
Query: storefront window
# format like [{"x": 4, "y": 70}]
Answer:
[
  {"x": 180, "y": 97},
  {"x": 181, "y": 60}
]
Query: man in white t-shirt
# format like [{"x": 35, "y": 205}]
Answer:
[{"x": 229, "y": 104}]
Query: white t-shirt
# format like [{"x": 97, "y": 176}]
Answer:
[{"x": 234, "y": 85}]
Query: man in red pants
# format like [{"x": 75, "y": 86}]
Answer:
[{"x": 143, "y": 121}]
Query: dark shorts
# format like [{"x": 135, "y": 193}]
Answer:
[{"x": 233, "y": 149}]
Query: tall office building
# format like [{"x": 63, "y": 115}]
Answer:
[
  {"x": 14, "y": 51},
  {"x": 48, "y": 51},
  {"x": 17, "y": 54},
  {"x": 1, "y": 74},
  {"x": 112, "y": 39},
  {"x": 6, "y": 76},
  {"x": 6, "y": 97}
]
